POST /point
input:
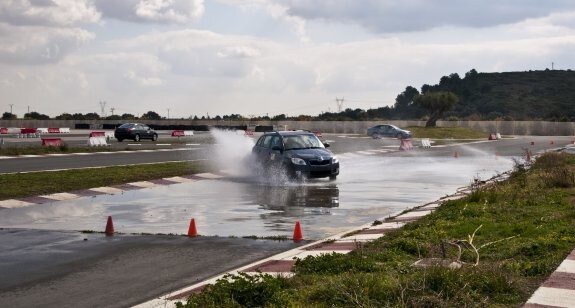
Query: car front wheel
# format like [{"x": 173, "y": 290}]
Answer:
[{"x": 137, "y": 138}]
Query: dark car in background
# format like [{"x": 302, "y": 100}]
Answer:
[
  {"x": 388, "y": 130},
  {"x": 301, "y": 154},
  {"x": 135, "y": 131}
]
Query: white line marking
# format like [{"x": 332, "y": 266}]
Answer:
[
  {"x": 553, "y": 297},
  {"x": 12, "y": 203},
  {"x": 107, "y": 190},
  {"x": 567, "y": 266},
  {"x": 143, "y": 184},
  {"x": 61, "y": 196}
]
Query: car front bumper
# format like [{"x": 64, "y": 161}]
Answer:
[{"x": 311, "y": 171}]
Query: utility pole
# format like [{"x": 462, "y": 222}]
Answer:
[
  {"x": 552, "y": 65},
  {"x": 11, "y": 108},
  {"x": 103, "y": 108},
  {"x": 339, "y": 102},
  {"x": 168, "y": 113},
  {"x": 112, "y": 110},
  {"x": 28, "y": 108}
]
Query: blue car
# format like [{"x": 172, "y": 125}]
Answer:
[
  {"x": 388, "y": 130},
  {"x": 301, "y": 154}
]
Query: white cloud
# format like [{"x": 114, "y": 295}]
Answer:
[
  {"x": 39, "y": 45},
  {"x": 48, "y": 12},
  {"x": 419, "y": 15},
  {"x": 157, "y": 11}
]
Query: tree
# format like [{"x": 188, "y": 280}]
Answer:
[
  {"x": 405, "y": 98},
  {"x": 64, "y": 116},
  {"x": 404, "y": 106},
  {"x": 437, "y": 103},
  {"x": 9, "y": 116},
  {"x": 151, "y": 115},
  {"x": 36, "y": 116},
  {"x": 128, "y": 116},
  {"x": 91, "y": 116},
  {"x": 279, "y": 117}
]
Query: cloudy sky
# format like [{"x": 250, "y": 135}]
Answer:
[{"x": 258, "y": 57}]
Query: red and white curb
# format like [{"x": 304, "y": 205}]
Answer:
[
  {"x": 559, "y": 289},
  {"x": 106, "y": 190}
]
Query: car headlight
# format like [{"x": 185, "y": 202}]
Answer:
[
  {"x": 334, "y": 160},
  {"x": 298, "y": 161}
]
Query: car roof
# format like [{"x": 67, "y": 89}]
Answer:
[{"x": 290, "y": 133}]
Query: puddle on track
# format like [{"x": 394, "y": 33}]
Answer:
[{"x": 368, "y": 188}]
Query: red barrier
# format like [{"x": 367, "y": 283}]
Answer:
[
  {"x": 492, "y": 136},
  {"x": 97, "y": 134},
  {"x": 178, "y": 133},
  {"x": 52, "y": 142},
  {"x": 53, "y": 130},
  {"x": 317, "y": 134},
  {"x": 248, "y": 132},
  {"x": 406, "y": 145},
  {"x": 3, "y": 130},
  {"x": 28, "y": 130}
]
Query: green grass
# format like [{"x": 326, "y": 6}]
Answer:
[
  {"x": 65, "y": 149},
  {"x": 32, "y": 184},
  {"x": 447, "y": 133},
  {"x": 525, "y": 224}
]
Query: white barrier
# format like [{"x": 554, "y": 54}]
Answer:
[
  {"x": 97, "y": 141},
  {"x": 13, "y": 130},
  {"x": 425, "y": 143},
  {"x": 42, "y": 130},
  {"x": 498, "y": 136},
  {"x": 64, "y": 130},
  {"x": 188, "y": 133},
  {"x": 109, "y": 134}
]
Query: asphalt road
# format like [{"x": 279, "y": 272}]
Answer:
[
  {"x": 65, "y": 268},
  {"x": 203, "y": 148},
  {"x": 69, "y": 269}
]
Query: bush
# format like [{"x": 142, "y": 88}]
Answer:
[
  {"x": 261, "y": 290},
  {"x": 334, "y": 263}
]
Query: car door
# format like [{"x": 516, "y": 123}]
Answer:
[
  {"x": 263, "y": 148},
  {"x": 146, "y": 131},
  {"x": 386, "y": 130},
  {"x": 275, "y": 150}
]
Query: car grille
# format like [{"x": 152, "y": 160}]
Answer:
[{"x": 320, "y": 162}]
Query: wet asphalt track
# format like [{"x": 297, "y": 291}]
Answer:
[{"x": 55, "y": 268}]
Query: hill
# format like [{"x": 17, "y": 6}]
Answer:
[{"x": 532, "y": 95}]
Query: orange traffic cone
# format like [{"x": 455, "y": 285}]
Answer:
[
  {"x": 572, "y": 141},
  {"x": 297, "y": 234},
  {"x": 109, "y": 227},
  {"x": 192, "y": 229},
  {"x": 551, "y": 142}
]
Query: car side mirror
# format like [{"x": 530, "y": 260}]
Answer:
[{"x": 326, "y": 145}]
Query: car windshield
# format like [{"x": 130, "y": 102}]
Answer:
[
  {"x": 296, "y": 142},
  {"x": 127, "y": 125}
]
